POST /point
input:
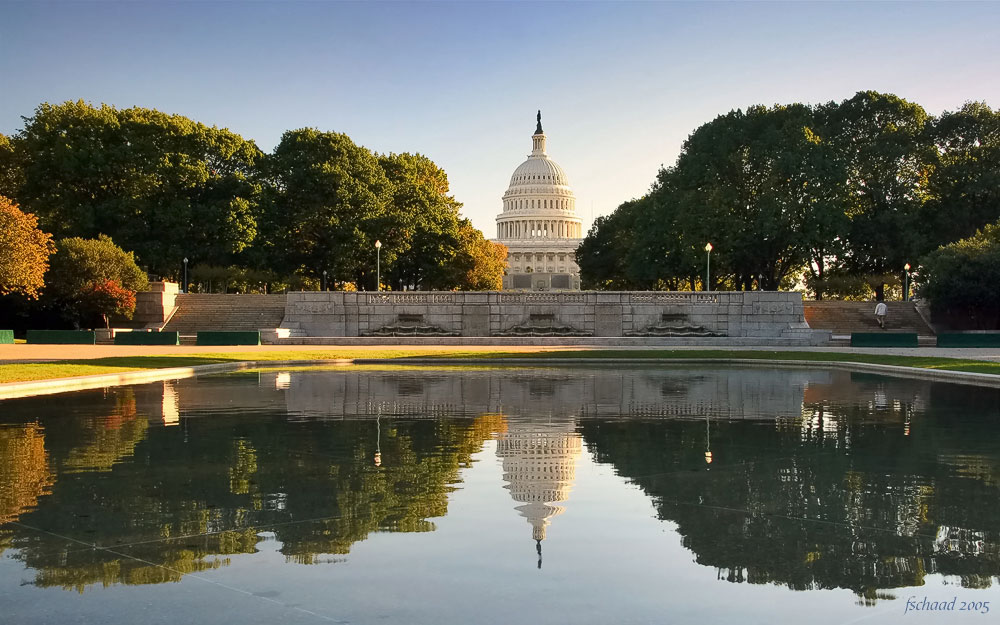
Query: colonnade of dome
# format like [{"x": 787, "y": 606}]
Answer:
[{"x": 538, "y": 229}]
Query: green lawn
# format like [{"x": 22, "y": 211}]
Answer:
[{"x": 68, "y": 368}]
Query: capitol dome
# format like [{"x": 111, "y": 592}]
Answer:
[
  {"x": 539, "y": 224},
  {"x": 537, "y": 171}
]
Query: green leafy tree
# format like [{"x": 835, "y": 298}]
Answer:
[
  {"x": 79, "y": 276},
  {"x": 754, "y": 184},
  {"x": 428, "y": 219},
  {"x": 746, "y": 172},
  {"x": 332, "y": 202},
  {"x": 881, "y": 148},
  {"x": 960, "y": 279},
  {"x": 25, "y": 251},
  {"x": 840, "y": 190},
  {"x": 603, "y": 254},
  {"x": 162, "y": 185},
  {"x": 964, "y": 188}
]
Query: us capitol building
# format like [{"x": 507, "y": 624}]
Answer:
[{"x": 539, "y": 225}]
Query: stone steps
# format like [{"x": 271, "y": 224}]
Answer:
[
  {"x": 843, "y": 318},
  {"x": 197, "y": 312}
]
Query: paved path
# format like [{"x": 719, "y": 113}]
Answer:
[{"x": 23, "y": 352}]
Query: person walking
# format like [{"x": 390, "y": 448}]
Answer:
[{"x": 880, "y": 312}]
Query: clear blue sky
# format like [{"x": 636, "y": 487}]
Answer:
[{"x": 620, "y": 84}]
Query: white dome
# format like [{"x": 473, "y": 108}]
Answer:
[
  {"x": 538, "y": 223},
  {"x": 538, "y": 171}
]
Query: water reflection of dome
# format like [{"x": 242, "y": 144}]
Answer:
[{"x": 539, "y": 468}]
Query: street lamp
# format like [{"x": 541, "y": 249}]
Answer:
[
  {"x": 708, "y": 266},
  {"x": 708, "y": 441},
  {"x": 185, "y": 290},
  {"x": 378, "y": 265},
  {"x": 906, "y": 282},
  {"x": 324, "y": 279}
]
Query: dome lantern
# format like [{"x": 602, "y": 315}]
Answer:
[{"x": 538, "y": 139}]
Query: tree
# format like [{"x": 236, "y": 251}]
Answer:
[
  {"x": 428, "y": 219},
  {"x": 603, "y": 254},
  {"x": 331, "y": 204},
  {"x": 10, "y": 170},
  {"x": 842, "y": 190},
  {"x": 104, "y": 298},
  {"x": 162, "y": 185},
  {"x": 746, "y": 182},
  {"x": 479, "y": 264},
  {"x": 882, "y": 151},
  {"x": 964, "y": 187},
  {"x": 87, "y": 277},
  {"x": 746, "y": 192},
  {"x": 25, "y": 251},
  {"x": 960, "y": 279}
]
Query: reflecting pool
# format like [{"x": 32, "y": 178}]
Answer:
[{"x": 500, "y": 495}]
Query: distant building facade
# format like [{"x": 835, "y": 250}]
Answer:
[{"x": 539, "y": 224}]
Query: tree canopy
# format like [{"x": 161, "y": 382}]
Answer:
[
  {"x": 168, "y": 188},
  {"x": 837, "y": 194},
  {"x": 162, "y": 185}
]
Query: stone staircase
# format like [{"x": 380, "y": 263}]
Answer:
[
  {"x": 211, "y": 311},
  {"x": 843, "y": 318}
]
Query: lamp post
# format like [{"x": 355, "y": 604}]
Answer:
[
  {"x": 324, "y": 279},
  {"x": 708, "y": 441},
  {"x": 378, "y": 265},
  {"x": 906, "y": 282},
  {"x": 185, "y": 290},
  {"x": 708, "y": 266}
]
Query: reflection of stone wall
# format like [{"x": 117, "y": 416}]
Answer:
[
  {"x": 727, "y": 393},
  {"x": 694, "y": 393},
  {"x": 612, "y": 314}
]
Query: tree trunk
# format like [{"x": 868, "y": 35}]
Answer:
[
  {"x": 879, "y": 291},
  {"x": 819, "y": 280}
]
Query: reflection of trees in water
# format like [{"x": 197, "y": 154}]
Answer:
[
  {"x": 25, "y": 474},
  {"x": 851, "y": 498},
  {"x": 107, "y": 440},
  {"x": 194, "y": 494}
]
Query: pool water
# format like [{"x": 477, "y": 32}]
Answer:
[{"x": 499, "y": 495}]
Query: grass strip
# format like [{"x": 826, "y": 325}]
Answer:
[{"x": 19, "y": 372}]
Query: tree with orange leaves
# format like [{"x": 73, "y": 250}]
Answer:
[{"x": 24, "y": 251}]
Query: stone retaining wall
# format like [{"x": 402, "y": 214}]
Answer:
[{"x": 596, "y": 313}]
